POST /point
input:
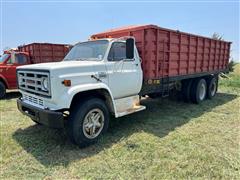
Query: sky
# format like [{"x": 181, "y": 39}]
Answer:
[{"x": 69, "y": 22}]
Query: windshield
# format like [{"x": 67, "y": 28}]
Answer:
[
  {"x": 3, "y": 57},
  {"x": 92, "y": 50}
]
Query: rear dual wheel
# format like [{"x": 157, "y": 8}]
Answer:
[
  {"x": 186, "y": 89},
  {"x": 198, "y": 90},
  {"x": 212, "y": 83}
]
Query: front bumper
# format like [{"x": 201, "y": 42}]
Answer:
[{"x": 46, "y": 117}]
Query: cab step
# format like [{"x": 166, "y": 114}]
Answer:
[
  {"x": 131, "y": 110},
  {"x": 128, "y": 105}
]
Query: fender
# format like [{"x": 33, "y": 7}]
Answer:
[
  {"x": 86, "y": 87},
  {"x": 4, "y": 80}
]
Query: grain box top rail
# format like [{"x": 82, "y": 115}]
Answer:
[{"x": 139, "y": 27}]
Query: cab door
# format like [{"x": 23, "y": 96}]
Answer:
[
  {"x": 16, "y": 59},
  {"x": 124, "y": 75}
]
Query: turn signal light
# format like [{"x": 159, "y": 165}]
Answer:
[{"x": 66, "y": 83}]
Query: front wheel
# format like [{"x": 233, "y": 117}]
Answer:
[{"x": 87, "y": 122}]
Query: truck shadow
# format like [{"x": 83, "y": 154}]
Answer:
[{"x": 52, "y": 147}]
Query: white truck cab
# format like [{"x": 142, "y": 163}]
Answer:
[{"x": 96, "y": 78}]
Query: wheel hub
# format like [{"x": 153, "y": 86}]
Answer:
[
  {"x": 93, "y": 123},
  {"x": 202, "y": 92}
]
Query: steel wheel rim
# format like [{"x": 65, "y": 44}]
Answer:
[
  {"x": 93, "y": 123},
  {"x": 213, "y": 88},
  {"x": 202, "y": 91}
]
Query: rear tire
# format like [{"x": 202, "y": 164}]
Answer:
[
  {"x": 212, "y": 84},
  {"x": 198, "y": 90},
  {"x": 186, "y": 90},
  {"x": 2, "y": 90},
  {"x": 87, "y": 121}
]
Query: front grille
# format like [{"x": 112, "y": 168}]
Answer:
[
  {"x": 31, "y": 81},
  {"x": 33, "y": 100}
]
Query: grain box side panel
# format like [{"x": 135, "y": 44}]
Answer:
[
  {"x": 45, "y": 52},
  {"x": 163, "y": 52},
  {"x": 169, "y": 53}
]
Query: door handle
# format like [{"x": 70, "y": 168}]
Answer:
[{"x": 102, "y": 74}]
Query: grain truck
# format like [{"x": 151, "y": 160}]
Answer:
[
  {"x": 107, "y": 76},
  {"x": 27, "y": 54}
]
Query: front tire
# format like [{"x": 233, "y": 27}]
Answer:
[
  {"x": 87, "y": 122},
  {"x": 2, "y": 90}
]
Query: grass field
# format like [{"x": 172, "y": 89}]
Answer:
[{"x": 170, "y": 140}]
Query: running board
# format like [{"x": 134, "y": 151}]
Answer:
[
  {"x": 128, "y": 105},
  {"x": 130, "y": 111}
]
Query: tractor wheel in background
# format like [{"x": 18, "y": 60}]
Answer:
[{"x": 2, "y": 90}]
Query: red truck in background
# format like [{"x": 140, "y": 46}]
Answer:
[{"x": 27, "y": 54}]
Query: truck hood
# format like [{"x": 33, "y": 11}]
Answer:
[{"x": 60, "y": 65}]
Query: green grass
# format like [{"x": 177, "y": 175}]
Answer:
[{"x": 170, "y": 140}]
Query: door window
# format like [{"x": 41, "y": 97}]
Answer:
[
  {"x": 20, "y": 59},
  {"x": 117, "y": 51},
  {"x": 4, "y": 57}
]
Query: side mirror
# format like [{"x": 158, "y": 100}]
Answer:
[{"x": 130, "y": 48}]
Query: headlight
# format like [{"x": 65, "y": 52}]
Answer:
[
  {"x": 20, "y": 79},
  {"x": 45, "y": 84}
]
